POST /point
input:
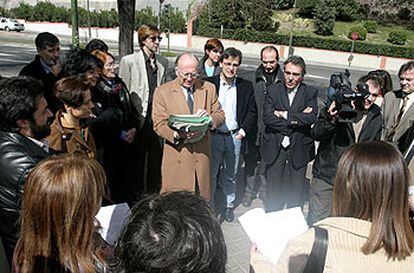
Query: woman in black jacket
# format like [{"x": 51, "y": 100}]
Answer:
[{"x": 114, "y": 128}]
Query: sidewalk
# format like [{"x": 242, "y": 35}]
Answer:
[{"x": 249, "y": 49}]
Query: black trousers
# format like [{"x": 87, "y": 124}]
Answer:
[
  {"x": 149, "y": 157},
  {"x": 254, "y": 171},
  {"x": 285, "y": 184},
  {"x": 320, "y": 200}
]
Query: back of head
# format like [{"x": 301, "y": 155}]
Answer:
[
  {"x": 371, "y": 184},
  {"x": 19, "y": 98},
  {"x": 96, "y": 44},
  {"x": 61, "y": 197},
  {"x": 173, "y": 233},
  {"x": 46, "y": 39},
  {"x": 78, "y": 62},
  {"x": 70, "y": 91}
]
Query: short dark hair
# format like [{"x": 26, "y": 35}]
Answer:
[
  {"x": 231, "y": 52},
  {"x": 296, "y": 60},
  {"x": 169, "y": 233},
  {"x": 406, "y": 67},
  {"x": 45, "y": 39},
  {"x": 78, "y": 62},
  {"x": 19, "y": 99},
  {"x": 270, "y": 48},
  {"x": 70, "y": 91},
  {"x": 385, "y": 80},
  {"x": 96, "y": 44}
]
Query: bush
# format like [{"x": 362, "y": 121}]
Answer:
[
  {"x": 370, "y": 26},
  {"x": 324, "y": 18},
  {"x": 311, "y": 42},
  {"x": 360, "y": 30},
  {"x": 23, "y": 11},
  {"x": 282, "y": 4},
  {"x": 345, "y": 9},
  {"x": 306, "y": 7},
  {"x": 397, "y": 37}
]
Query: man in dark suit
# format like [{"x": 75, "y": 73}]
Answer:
[
  {"x": 290, "y": 108},
  {"x": 46, "y": 66},
  {"x": 236, "y": 96}
]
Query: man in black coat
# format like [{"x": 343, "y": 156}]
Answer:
[
  {"x": 228, "y": 141},
  {"x": 334, "y": 138},
  {"x": 23, "y": 127},
  {"x": 268, "y": 73},
  {"x": 290, "y": 108},
  {"x": 46, "y": 66}
]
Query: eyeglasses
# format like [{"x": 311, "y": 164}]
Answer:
[
  {"x": 188, "y": 74},
  {"x": 217, "y": 51},
  {"x": 154, "y": 38},
  {"x": 110, "y": 65}
]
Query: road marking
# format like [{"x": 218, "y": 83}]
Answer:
[
  {"x": 7, "y": 61},
  {"x": 316, "y": 77}
]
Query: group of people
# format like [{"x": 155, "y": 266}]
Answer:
[{"x": 74, "y": 135}]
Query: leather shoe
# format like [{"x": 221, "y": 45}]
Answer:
[
  {"x": 247, "y": 202},
  {"x": 229, "y": 214}
]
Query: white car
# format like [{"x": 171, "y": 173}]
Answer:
[{"x": 11, "y": 24}]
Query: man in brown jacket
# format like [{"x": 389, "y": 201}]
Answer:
[{"x": 186, "y": 166}]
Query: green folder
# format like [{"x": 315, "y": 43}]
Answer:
[{"x": 190, "y": 123}]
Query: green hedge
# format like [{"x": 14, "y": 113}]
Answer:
[
  {"x": 397, "y": 37},
  {"x": 360, "y": 30},
  {"x": 311, "y": 42}
]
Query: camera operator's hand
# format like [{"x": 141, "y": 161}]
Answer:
[
  {"x": 307, "y": 110},
  {"x": 333, "y": 112}
]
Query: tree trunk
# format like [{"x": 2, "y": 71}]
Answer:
[{"x": 126, "y": 17}]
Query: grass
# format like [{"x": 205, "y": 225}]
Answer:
[{"x": 304, "y": 26}]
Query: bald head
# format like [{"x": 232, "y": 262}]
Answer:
[{"x": 186, "y": 58}]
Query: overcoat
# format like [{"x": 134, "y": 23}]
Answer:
[{"x": 184, "y": 165}]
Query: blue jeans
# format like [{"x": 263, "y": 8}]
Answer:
[{"x": 225, "y": 152}]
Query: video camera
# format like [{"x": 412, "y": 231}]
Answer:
[{"x": 340, "y": 90}]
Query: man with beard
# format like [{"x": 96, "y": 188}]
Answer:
[
  {"x": 269, "y": 72},
  {"x": 24, "y": 124},
  {"x": 142, "y": 72},
  {"x": 334, "y": 137},
  {"x": 46, "y": 66}
]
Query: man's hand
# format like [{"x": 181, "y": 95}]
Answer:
[
  {"x": 201, "y": 113},
  {"x": 307, "y": 110},
  {"x": 333, "y": 112},
  {"x": 55, "y": 69},
  {"x": 130, "y": 135},
  {"x": 280, "y": 114},
  {"x": 181, "y": 135}
]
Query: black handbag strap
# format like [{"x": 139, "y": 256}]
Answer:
[{"x": 316, "y": 261}]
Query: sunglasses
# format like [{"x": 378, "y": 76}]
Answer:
[
  {"x": 154, "y": 38},
  {"x": 217, "y": 51}
]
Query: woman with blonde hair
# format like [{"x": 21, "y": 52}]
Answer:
[
  {"x": 369, "y": 230},
  {"x": 58, "y": 231}
]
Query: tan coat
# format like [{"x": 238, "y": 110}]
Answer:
[
  {"x": 346, "y": 237},
  {"x": 70, "y": 140},
  {"x": 183, "y": 163}
]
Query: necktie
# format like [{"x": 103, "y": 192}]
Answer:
[
  {"x": 398, "y": 119},
  {"x": 190, "y": 100}
]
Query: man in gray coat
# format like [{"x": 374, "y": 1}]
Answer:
[{"x": 143, "y": 71}]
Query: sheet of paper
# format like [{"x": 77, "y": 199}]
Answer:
[
  {"x": 272, "y": 231},
  {"x": 112, "y": 220}
]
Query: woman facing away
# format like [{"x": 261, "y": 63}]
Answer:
[
  {"x": 369, "y": 230},
  {"x": 69, "y": 131},
  {"x": 58, "y": 231},
  {"x": 209, "y": 65}
]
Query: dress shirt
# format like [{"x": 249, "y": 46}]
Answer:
[
  {"x": 185, "y": 92},
  {"x": 410, "y": 101},
  {"x": 46, "y": 67},
  {"x": 228, "y": 101},
  {"x": 291, "y": 95}
]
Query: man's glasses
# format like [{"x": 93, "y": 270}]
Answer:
[
  {"x": 188, "y": 74},
  {"x": 154, "y": 38}
]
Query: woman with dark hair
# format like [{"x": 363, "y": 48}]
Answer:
[
  {"x": 369, "y": 230},
  {"x": 79, "y": 63},
  {"x": 58, "y": 231},
  {"x": 70, "y": 134},
  {"x": 209, "y": 65},
  {"x": 114, "y": 129}
]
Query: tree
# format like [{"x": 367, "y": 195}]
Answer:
[
  {"x": 345, "y": 9},
  {"x": 324, "y": 18},
  {"x": 126, "y": 12}
]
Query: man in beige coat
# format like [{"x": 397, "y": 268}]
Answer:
[{"x": 186, "y": 166}]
